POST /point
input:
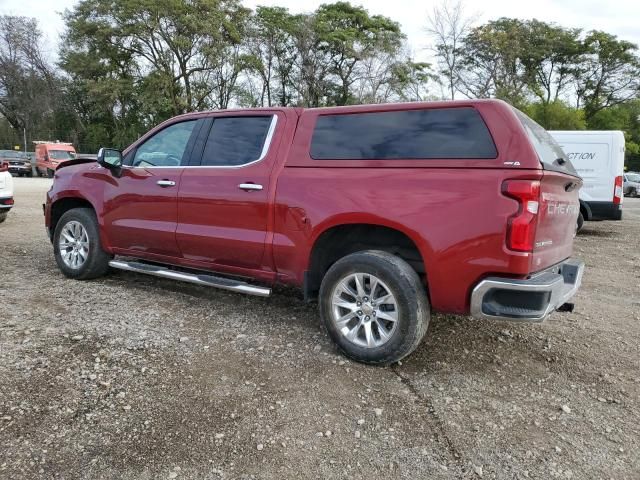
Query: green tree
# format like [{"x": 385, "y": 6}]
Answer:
[
  {"x": 556, "y": 115},
  {"x": 348, "y": 35},
  {"x": 609, "y": 75},
  {"x": 491, "y": 63},
  {"x": 272, "y": 45},
  {"x": 551, "y": 55}
]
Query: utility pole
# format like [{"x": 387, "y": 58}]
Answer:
[{"x": 24, "y": 137}]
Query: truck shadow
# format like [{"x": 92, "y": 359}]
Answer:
[
  {"x": 588, "y": 232},
  {"x": 452, "y": 345}
]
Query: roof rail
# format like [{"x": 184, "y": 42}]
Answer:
[{"x": 57, "y": 142}]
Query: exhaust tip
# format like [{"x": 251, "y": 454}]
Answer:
[{"x": 566, "y": 307}]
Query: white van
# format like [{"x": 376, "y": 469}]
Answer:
[{"x": 598, "y": 156}]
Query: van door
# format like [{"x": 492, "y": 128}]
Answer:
[
  {"x": 592, "y": 161},
  {"x": 223, "y": 202}
]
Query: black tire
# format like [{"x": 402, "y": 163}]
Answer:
[
  {"x": 50, "y": 173},
  {"x": 411, "y": 297},
  {"x": 633, "y": 192},
  {"x": 3, "y": 215},
  {"x": 97, "y": 262},
  {"x": 580, "y": 222}
]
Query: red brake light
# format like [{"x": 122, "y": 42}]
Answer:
[
  {"x": 617, "y": 190},
  {"x": 4, "y": 166},
  {"x": 521, "y": 227}
]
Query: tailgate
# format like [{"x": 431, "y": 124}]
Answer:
[{"x": 557, "y": 219}]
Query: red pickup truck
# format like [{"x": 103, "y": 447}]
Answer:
[{"x": 381, "y": 212}]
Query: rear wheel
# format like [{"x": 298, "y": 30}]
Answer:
[
  {"x": 3, "y": 215},
  {"x": 374, "y": 307},
  {"x": 580, "y": 222},
  {"x": 77, "y": 247}
]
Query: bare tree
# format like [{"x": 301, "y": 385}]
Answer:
[
  {"x": 448, "y": 25},
  {"x": 27, "y": 83}
]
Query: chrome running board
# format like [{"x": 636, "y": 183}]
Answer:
[{"x": 198, "y": 279}]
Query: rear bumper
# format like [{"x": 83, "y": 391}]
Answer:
[
  {"x": 529, "y": 300},
  {"x": 604, "y": 211}
]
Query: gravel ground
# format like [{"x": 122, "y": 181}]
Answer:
[{"x": 136, "y": 377}]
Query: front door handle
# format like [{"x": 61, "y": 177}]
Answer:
[
  {"x": 166, "y": 183},
  {"x": 249, "y": 186}
]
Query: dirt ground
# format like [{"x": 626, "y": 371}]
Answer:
[{"x": 136, "y": 377}]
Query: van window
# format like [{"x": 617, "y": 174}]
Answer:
[
  {"x": 549, "y": 151},
  {"x": 236, "y": 141},
  {"x": 451, "y": 133},
  {"x": 61, "y": 155}
]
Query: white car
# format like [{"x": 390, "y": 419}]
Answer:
[
  {"x": 631, "y": 185},
  {"x": 6, "y": 191}
]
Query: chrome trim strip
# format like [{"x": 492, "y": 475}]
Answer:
[
  {"x": 204, "y": 279},
  {"x": 263, "y": 154}
]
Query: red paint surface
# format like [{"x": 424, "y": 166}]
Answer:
[{"x": 453, "y": 210}]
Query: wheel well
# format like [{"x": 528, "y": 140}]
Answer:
[
  {"x": 342, "y": 240},
  {"x": 62, "y": 206}
]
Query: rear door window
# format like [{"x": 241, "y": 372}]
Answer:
[
  {"x": 550, "y": 153},
  {"x": 237, "y": 141},
  {"x": 435, "y": 133}
]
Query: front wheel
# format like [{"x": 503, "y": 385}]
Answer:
[
  {"x": 77, "y": 247},
  {"x": 374, "y": 307}
]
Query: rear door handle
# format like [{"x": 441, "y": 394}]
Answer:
[
  {"x": 250, "y": 186},
  {"x": 166, "y": 183}
]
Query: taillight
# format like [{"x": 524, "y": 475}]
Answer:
[
  {"x": 521, "y": 227},
  {"x": 6, "y": 201},
  {"x": 4, "y": 166},
  {"x": 617, "y": 190}
]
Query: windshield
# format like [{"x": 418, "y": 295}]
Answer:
[
  {"x": 61, "y": 155},
  {"x": 550, "y": 153},
  {"x": 633, "y": 177}
]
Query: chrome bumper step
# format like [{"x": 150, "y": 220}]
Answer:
[
  {"x": 529, "y": 300},
  {"x": 196, "y": 278}
]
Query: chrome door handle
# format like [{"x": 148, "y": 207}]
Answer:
[
  {"x": 249, "y": 186},
  {"x": 166, "y": 183}
]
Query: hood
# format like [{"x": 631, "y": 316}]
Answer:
[{"x": 75, "y": 161}]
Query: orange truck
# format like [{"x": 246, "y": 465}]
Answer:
[{"x": 50, "y": 154}]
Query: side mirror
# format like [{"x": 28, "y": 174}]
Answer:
[{"x": 110, "y": 158}]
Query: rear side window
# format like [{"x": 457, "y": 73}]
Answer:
[
  {"x": 452, "y": 133},
  {"x": 549, "y": 151},
  {"x": 235, "y": 141}
]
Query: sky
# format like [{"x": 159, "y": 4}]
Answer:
[{"x": 619, "y": 17}]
